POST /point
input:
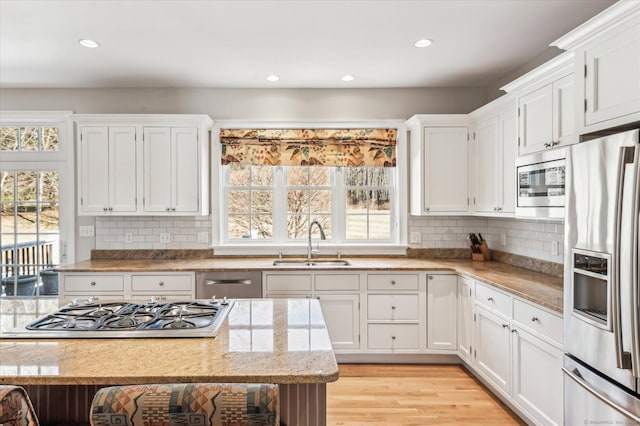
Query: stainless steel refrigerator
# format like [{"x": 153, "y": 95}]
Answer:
[{"x": 601, "y": 309}]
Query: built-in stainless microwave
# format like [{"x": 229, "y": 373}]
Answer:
[{"x": 540, "y": 184}]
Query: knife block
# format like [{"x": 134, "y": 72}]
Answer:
[{"x": 485, "y": 252}]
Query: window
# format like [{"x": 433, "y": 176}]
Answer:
[
  {"x": 277, "y": 204},
  {"x": 34, "y": 219}
]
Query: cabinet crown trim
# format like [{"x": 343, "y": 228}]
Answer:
[
  {"x": 615, "y": 15},
  {"x": 144, "y": 119},
  {"x": 555, "y": 68}
]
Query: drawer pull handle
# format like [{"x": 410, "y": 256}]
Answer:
[
  {"x": 161, "y": 283},
  {"x": 93, "y": 283},
  {"x": 514, "y": 330},
  {"x": 393, "y": 282},
  {"x": 490, "y": 299},
  {"x": 318, "y": 297},
  {"x": 393, "y": 307},
  {"x": 505, "y": 325},
  {"x": 535, "y": 319}
]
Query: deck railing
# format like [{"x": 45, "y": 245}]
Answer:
[{"x": 26, "y": 258}]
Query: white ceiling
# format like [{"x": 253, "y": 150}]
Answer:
[{"x": 307, "y": 43}]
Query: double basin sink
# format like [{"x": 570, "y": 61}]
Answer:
[{"x": 311, "y": 262}]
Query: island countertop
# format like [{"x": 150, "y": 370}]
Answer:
[
  {"x": 545, "y": 290},
  {"x": 282, "y": 341}
]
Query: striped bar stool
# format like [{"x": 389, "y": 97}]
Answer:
[
  {"x": 181, "y": 404},
  {"x": 15, "y": 407}
]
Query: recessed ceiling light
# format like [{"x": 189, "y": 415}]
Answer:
[
  {"x": 273, "y": 77},
  {"x": 348, "y": 77},
  {"x": 423, "y": 42},
  {"x": 89, "y": 43}
]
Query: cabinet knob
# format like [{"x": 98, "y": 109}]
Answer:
[
  {"x": 427, "y": 209},
  {"x": 499, "y": 209},
  {"x": 161, "y": 283},
  {"x": 513, "y": 330},
  {"x": 93, "y": 283},
  {"x": 110, "y": 209},
  {"x": 318, "y": 297},
  {"x": 505, "y": 325},
  {"x": 430, "y": 277},
  {"x": 535, "y": 319},
  {"x": 104, "y": 209},
  {"x": 168, "y": 209},
  {"x": 393, "y": 307},
  {"x": 393, "y": 337},
  {"x": 173, "y": 209},
  {"x": 393, "y": 282},
  {"x": 490, "y": 299}
]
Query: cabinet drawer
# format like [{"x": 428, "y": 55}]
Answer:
[
  {"x": 288, "y": 282},
  {"x": 493, "y": 299},
  {"x": 337, "y": 282},
  {"x": 392, "y": 336},
  {"x": 534, "y": 318},
  {"x": 82, "y": 297},
  {"x": 392, "y": 307},
  {"x": 161, "y": 283},
  {"x": 163, "y": 297},
  {"x": 392, "y": 282},
  {"x": 93, "y": 283}
]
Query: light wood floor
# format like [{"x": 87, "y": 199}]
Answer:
[{"x": 396, "y": 394}]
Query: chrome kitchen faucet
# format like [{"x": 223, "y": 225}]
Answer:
[{"x": 322, "y": 236}]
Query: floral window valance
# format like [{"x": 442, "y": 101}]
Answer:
[{"x": 303, "y": 147}]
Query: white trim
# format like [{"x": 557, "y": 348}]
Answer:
[
  {"x": 368, "y": 247},
  {"x": 170, "y": 120},
  {"x": 616, "y": 14},
  {"x": 494, "y": 107},
  {"x": 550, "y": 71}
]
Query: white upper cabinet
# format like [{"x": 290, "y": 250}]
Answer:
[
  {"x": 546, "y": 105},
  {"x": 494, "y": 154},
  {"x": 171, "y": 178},
  {"x": 143, "y": 164},
  {"x": 607, "y": 68},
  {"x": 107, "y": 170},
  {"x": 439, "y": 164}
]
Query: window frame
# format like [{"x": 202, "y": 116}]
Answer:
[
  {"x": 256, "y": 247},
  {"x": 61, "y": 161}
]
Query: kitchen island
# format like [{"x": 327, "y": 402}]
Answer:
[{"x": 262, "y": 341}]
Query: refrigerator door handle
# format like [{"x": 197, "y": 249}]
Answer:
[
  {"x": 635, "y": 317},
  {"x": 577, "y": 377},
  {"x": 625, "y": 315}
]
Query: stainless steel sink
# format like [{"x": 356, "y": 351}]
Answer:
[{"x": 313, "y": 262}]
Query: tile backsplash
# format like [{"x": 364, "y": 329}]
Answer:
[
  {"x": 111, "y": 232},
  {"x": 523, "y": 237}
]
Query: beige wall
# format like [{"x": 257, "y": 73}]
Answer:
[{"x": 253, "y": 104}]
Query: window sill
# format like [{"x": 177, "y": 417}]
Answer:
[{"x": 301, "y": 250}]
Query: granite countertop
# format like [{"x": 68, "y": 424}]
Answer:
[
  {"x": 545, "y": 290},
  {"x": 282, "y": 341}
]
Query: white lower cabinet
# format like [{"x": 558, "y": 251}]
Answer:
[
  {"x": 465, "y": 318},
  {"x": 442, "y": 306},
  {"x": 393, "y": 337},
  {"x": 518, "y": 351},
  {"x": 341, "y": 314}
]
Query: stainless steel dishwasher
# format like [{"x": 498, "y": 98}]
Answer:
[{"x": 233, "y": 285}]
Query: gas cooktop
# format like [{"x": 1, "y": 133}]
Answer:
[{"x": 196, "y": 318}]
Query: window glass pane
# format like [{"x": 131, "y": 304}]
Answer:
[
  {"x": 8, "y": 138},
  {"x": 356, "y": 227},
  {"x": 380, "y": 201},
  {"x": 50, "y": 139},
  {"x": 27, "y": 215},
  {"x": 27, "y": 186},
  {"x": 297, "y": 201},
  {"x": 379, "y": 226},
  {"x": 320, "y": 201},
  {"x": 325, "y": 221},
  {"x": 239, "y": 175},
  {"x": 261, "y": 201},
  {"x": 297, "y": 226},
  {"x": 238, "y": 201},
  {"x": 262, "y": 175},
  {"x": 50, "y": 217},
  {"x": 320, "y": 176},
  {"x": 238, "y": 226},
  {"x": 355, "y": 176},
  {"x": 7, "y": 222},
  {"x": 378, "y": 176},
  {"x": 49, "y": 186},
  {"x": 297, "y": 175},
  {"x": 262, "y": 227},
  {"x": 29, "y": 139},
  {"x": 356, "y": 201},
  {"x": 7, "y": 187}
]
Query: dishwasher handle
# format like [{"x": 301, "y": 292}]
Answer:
[{"x": 230, "y": 281}]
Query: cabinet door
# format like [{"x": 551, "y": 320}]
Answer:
[
  {"x": 612, "y": 86},
  {"x": 185, "y": 170},
  {"x": 94, "y": 169},
  {"x": 492, "y": 337},
  {"x": 122, "y": 169},
  {"x": 535, "y": 127},
  {"x": 465, "y": 318},
  {"x": 341, "y": 313},
  {"x": 445, "y": 169},
  {"x": 533, "y": 359},
  {"x": 564, "y": 118},
  {"x": 508, "y": 128},
  {"x": 157, "y": 169},
  {"x": 442, "y": 307},
  {"x": 487, "y": 168}
]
